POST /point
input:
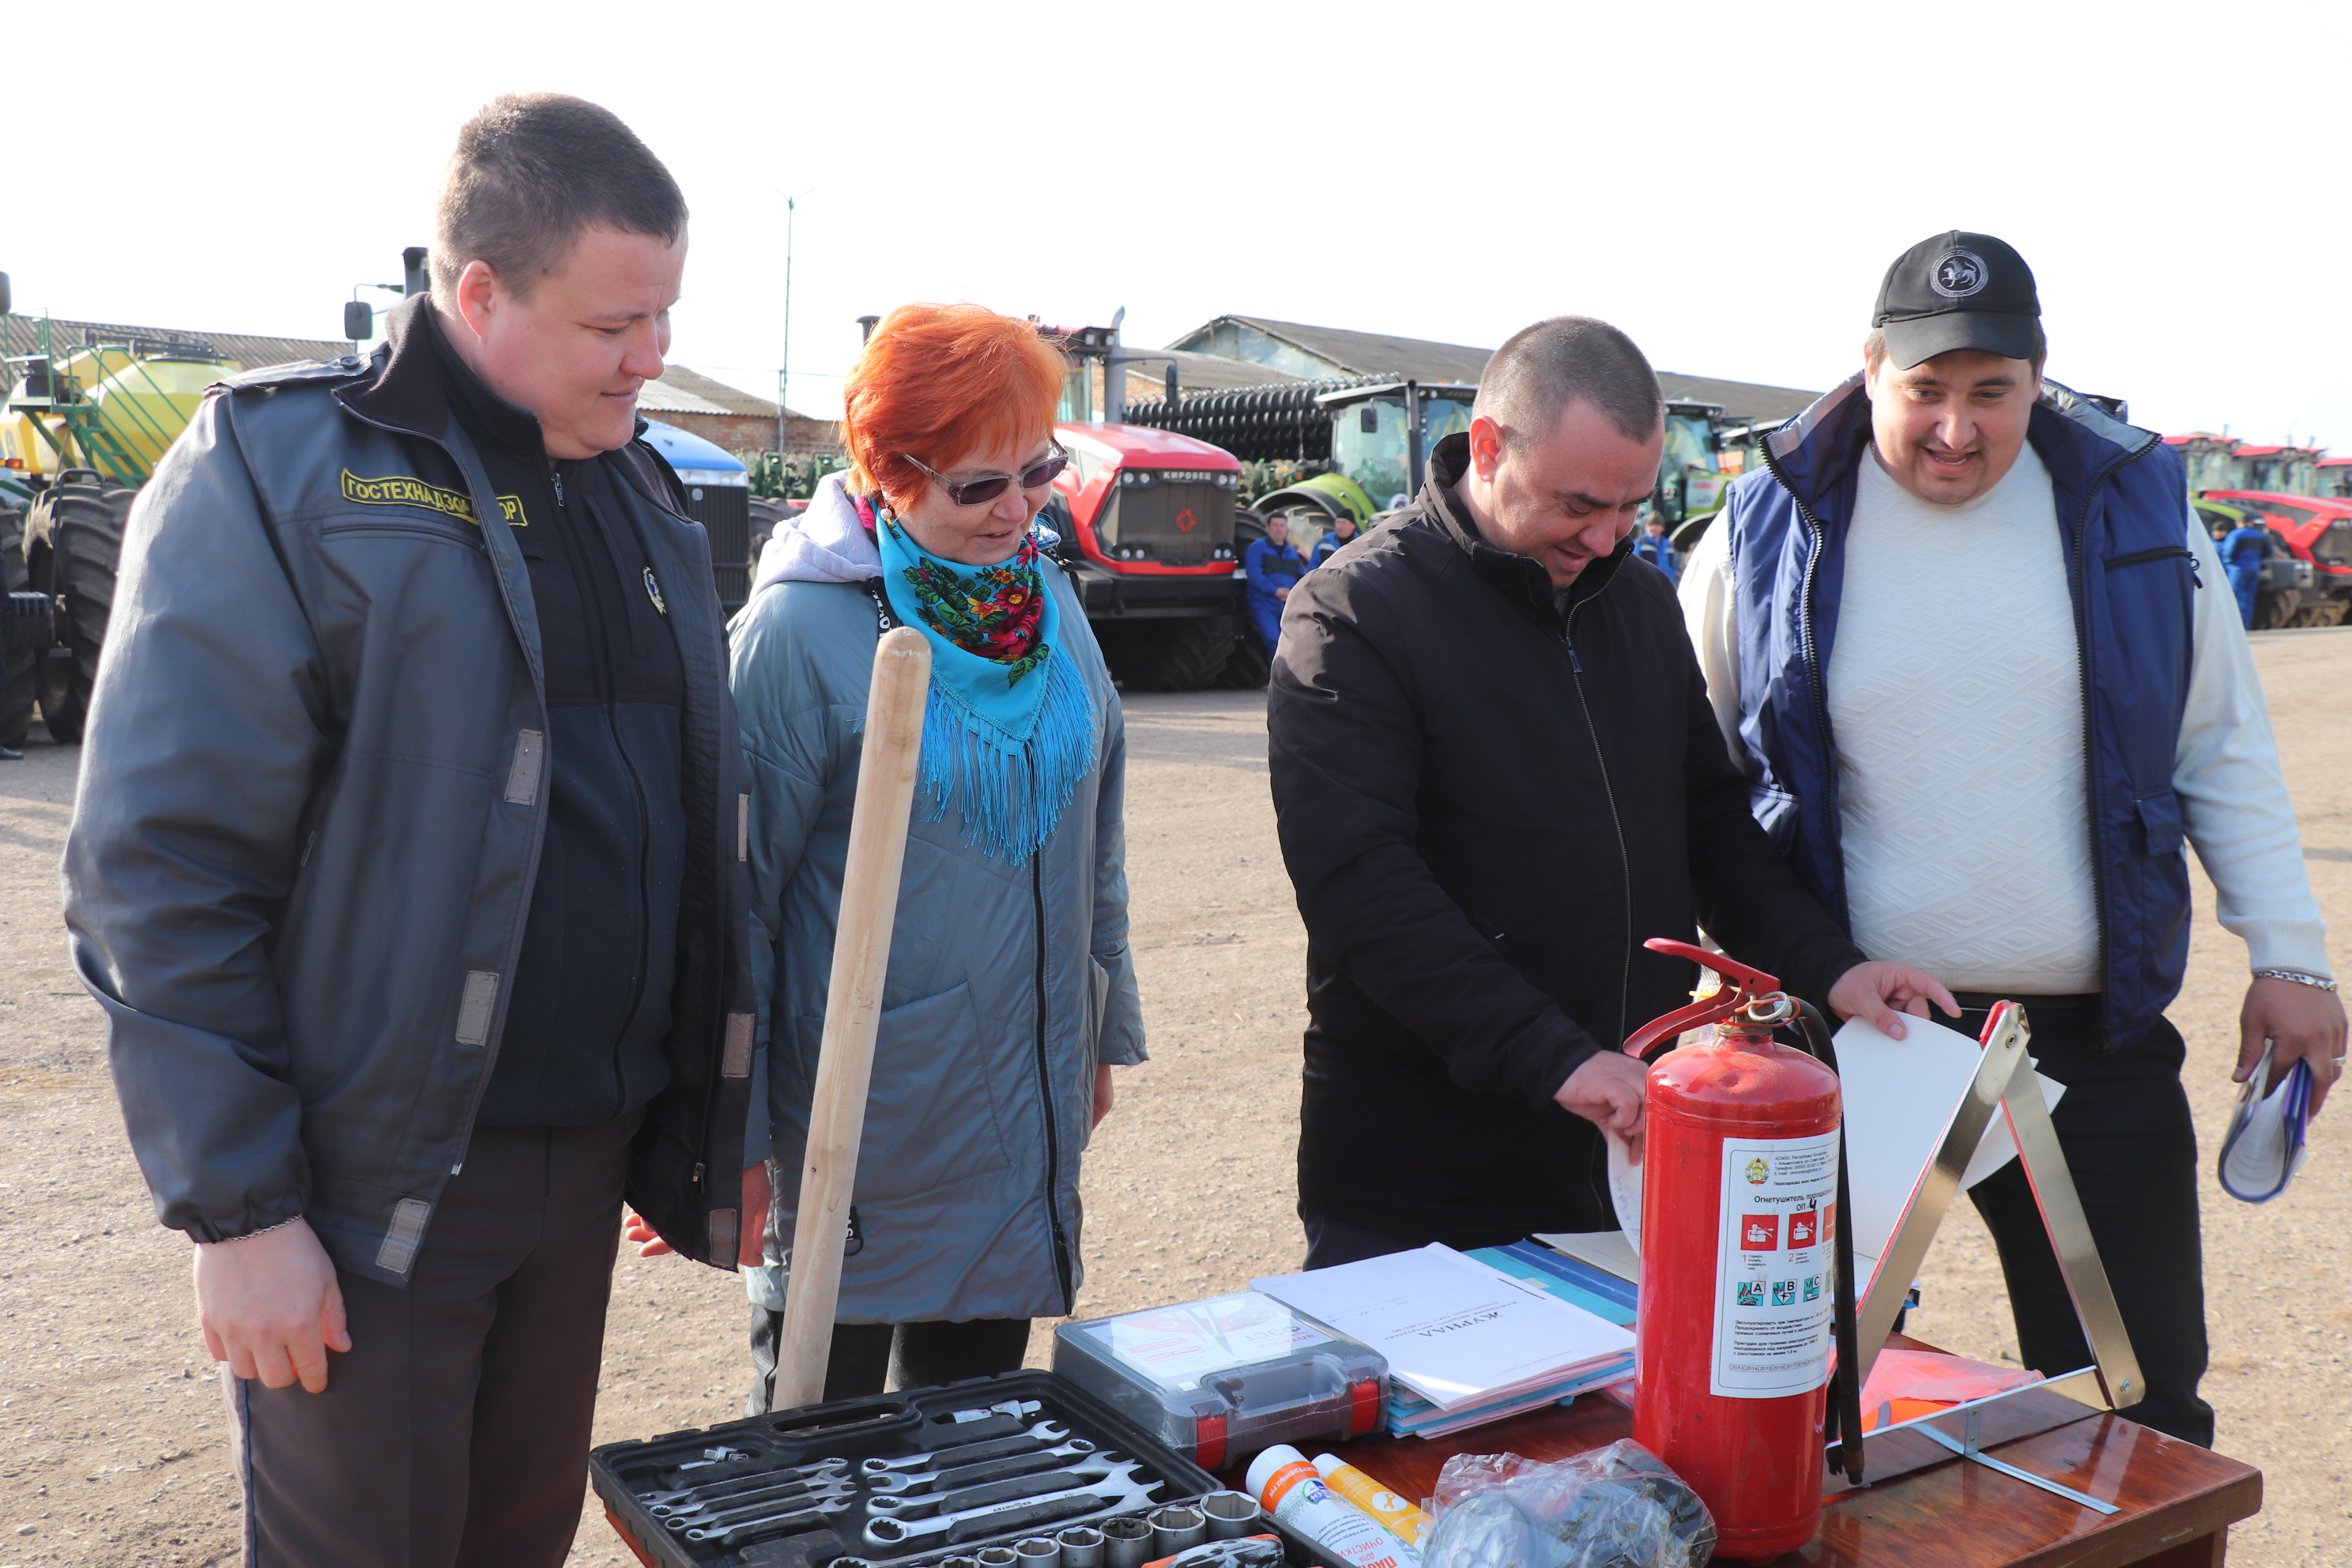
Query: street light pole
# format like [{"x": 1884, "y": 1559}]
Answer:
[{"x": 784, "y": 371}]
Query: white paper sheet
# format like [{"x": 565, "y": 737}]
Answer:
[
  {"x": 1454, "y": 1330},
  {"x": 1610, "y": 1251},
  {"x": 1899, "y": 1099}
]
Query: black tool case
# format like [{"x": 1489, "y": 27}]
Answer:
[{"x": 795, "y": 1489}]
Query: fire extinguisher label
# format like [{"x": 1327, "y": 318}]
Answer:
[{"x": 1773, "y": 1269}]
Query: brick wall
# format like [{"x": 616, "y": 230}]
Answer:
[{"x": 748, "y": 434}]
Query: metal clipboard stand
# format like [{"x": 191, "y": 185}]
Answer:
[{"x": 2005, "y": 1082}]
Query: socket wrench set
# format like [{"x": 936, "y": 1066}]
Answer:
[{"x": 1023, "y": 1470}]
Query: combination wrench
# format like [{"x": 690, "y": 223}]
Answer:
[
  {"x": 1044, "y": 1434},
  {"x": 796, "y": 1513},
  {"x": 897, "y": 1483},
  {"x": 1119, "y": 1487},
  {"x": 802, "y": 1494},
  {"x": 825, "y": 1472},
  {"x": 1012, "y": 1489}
]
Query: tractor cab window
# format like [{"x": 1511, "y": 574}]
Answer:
[
  {"x": 1367, "y": 441},
  {"x": 1368, "y": 446}
]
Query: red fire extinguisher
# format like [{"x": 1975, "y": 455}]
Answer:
[{"x": 1741, "y": 1205}]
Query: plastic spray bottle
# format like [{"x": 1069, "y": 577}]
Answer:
[
  {"x": 1288, "y": 1487},
  {"x": 1397, "y": 1516}
]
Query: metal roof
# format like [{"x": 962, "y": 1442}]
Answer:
[
  {"x": 1359, "y": 354},
  {"x": 1349, "y": 352},
  {"x": 679, "y": 390},
  {"x": 1738, "y": 399},
  {"x": 1198, "y": 372},
  {"x": 247, "y": 350},
  {"x": 699, "y": 393}
]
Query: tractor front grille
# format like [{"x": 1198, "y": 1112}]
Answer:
[
  {"x": 1179, "y": 523},
  {"x": 725, "y": 514}
]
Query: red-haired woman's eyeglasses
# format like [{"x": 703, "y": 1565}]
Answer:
[{"x": 980, "y": 492}]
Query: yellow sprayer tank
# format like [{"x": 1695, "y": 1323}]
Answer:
[
  {"x": 29, "y": 440},
  {"x": 146, "y": 403}
]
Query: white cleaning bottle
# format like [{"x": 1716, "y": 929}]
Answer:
[{"x": 1287, "y": 1486}]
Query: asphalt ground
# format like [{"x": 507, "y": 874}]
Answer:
[{"x": 117, "y": 1454}]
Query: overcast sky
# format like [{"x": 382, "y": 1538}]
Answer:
[{"x": 1728, "y": 183}]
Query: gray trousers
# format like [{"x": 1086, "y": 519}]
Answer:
[{"x": 455, "y": 1432}]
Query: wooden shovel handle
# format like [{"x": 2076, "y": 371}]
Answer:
[{"x": 853, "y": 1008}]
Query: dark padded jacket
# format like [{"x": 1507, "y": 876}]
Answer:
[
  {"x": 310, "y": 817},
  {"x": 1487, "y": 806}
]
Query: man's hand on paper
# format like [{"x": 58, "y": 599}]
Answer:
[
  {"x": 270, "y": 1307},
  {"x": 2304, "y": 1021},
  {"x": 1606, "y": 1089},
  {"x": 1882, "y": 990}
]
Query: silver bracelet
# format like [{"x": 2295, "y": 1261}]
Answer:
[
  {"x": 2297, "y": 977},
  {"x": 249, "y": 1234}
]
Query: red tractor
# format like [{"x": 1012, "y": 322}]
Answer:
[
  {"x": 1147, "y": 519},
  {"x": 2317, "y": 529}
]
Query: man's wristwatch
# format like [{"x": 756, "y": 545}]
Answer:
[{"x": 2316, "y": 982}]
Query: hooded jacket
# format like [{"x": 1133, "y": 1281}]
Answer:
[
  {"x": 1007, "y": 983},
  {"x": 1488, "y": 798},
  {"x": 312, "y": 814}
]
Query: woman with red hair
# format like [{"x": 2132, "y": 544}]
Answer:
[{"x": 1009, "y": 995}]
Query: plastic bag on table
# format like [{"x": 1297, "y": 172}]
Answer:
[{"x": 1618, "y": 1507}]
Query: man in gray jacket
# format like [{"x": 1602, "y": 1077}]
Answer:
[{"x": 408, "y": 867}]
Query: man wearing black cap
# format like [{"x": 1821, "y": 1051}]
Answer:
[{"x": 1976, "y": 654}]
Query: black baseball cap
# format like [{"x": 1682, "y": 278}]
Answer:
[{"x": 1957, "y": 290}]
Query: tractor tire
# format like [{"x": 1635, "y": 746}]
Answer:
[
  {"x": 2273, "y": 611},
  {"x": 16, "y": 695},
  {"x": 1167, "y": 654},
  {"x": 73, "y": 545},
  {"x": 765, "y": 515},
  {"x": 1246, "y": 669}
]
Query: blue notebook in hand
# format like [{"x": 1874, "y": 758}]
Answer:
[{"x": 2263, "y": 1148}]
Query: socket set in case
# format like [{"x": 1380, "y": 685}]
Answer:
[{"x": 1023, "y": 1470}]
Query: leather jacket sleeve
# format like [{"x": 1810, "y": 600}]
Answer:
[{"x": 205, "y": 742}]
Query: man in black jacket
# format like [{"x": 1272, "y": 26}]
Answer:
[
  {"x": 1495, "y": 774},
  {"x": 407, "y": 864}
]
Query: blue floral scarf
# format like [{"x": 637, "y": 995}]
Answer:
[{"x": 1009, "y": 727}]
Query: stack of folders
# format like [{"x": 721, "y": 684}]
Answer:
[{"x": 1472, "y": 1339}]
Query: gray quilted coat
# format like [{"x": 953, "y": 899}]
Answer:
[{"x": 1007, "y": 983}]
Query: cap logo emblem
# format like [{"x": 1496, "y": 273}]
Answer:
[{"x": 1959, "y": 275}]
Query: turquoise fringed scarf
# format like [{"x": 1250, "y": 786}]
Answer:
[{"x": 1009, "y": 729}]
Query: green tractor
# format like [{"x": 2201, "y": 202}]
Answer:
[{"x": 82, "y": 428}]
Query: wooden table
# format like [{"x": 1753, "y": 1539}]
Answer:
[{"x": 1924, "y": 1507}]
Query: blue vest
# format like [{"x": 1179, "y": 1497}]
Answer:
[{"x": 2122, "y": 513}]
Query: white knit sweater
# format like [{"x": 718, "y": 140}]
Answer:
[{"x": 1955, "y": 695}]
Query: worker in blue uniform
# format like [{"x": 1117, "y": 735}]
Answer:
[
  {"x": 1342, "y": 530},
  {"x": 1273, "y": 567},
  {"x": 1651, "y": 544},
  {"x": 2243, "y": 550}
]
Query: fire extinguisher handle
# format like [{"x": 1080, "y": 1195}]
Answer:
[
  {"x": 1722, "y": 1005},
  {"x": 1754, "y": 981},
  {"x": 1741, "y": 986}
]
